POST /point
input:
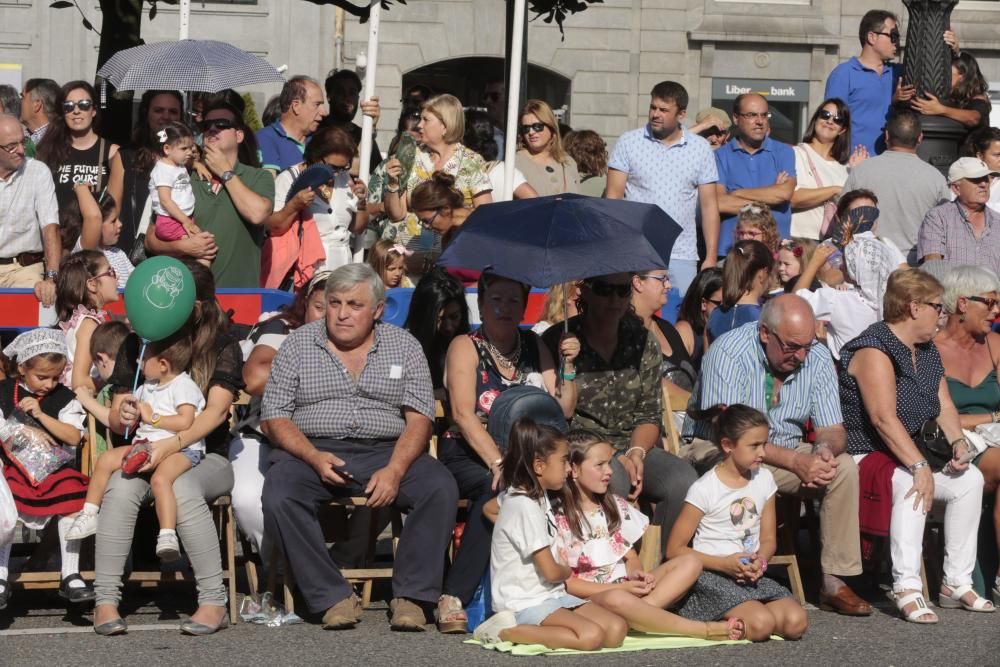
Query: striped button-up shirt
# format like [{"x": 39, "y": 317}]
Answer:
[
  {"x": 735, "y": 370},
  {"x": 27, "y": 205},
  {"x": 310, "y": 385},
  {"x": 946, "y": 231}
]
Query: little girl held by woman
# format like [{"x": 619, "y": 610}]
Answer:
[
  {"x": 388, "y": 258},
  {"x": 87, "y": 283},
  {"x": 729, "y": 513},
  {"x": 528, "y": 584},
  {"x": 170, "y": 184},
  {"x": 169, "y": 401},
  {"x": 596, "y": 533}
]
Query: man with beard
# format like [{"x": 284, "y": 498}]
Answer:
[
  {"x": 343, "y": 93},
  {"x": 665, "y": 164},
  {"x": 753, "y": 167}
]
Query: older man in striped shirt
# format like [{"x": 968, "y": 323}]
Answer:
[{"x": 776, "y": 366}]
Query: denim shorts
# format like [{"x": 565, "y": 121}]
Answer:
[
  {"x": 535, "y": 615},
  {"x": 193, "y": 455}
]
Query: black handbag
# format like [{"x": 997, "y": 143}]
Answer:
[{"x": 933, "y": 445}]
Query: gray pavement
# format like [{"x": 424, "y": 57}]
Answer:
[{"x": 36, "y": 630}]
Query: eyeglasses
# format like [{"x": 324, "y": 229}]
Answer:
[
  {"x": 793, "y": 348},
  {"x": 220, "y": 124},
  {"x": 82, "y": 105},
  {"x": 603, "y": 289},
  {"x": 989, "y": 303},
  {"x": 10, "y": 148},
  {"x": 750, "y": 115},
  {"x": 533, "y": 127},
  {"x": 937, "y": 306},
  {"x": 663, "y": 280},
  {"x": 110, "y": 273},
  {"x": 338, "y": 169},
  {"x": 429, "y": 222},
  {"x": 893, "y": 35},
  {"x": 837, "y": 120}
]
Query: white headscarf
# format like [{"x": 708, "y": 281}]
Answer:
[
  {"x": 32, "y": 343},
  {"x": 869, "y": 262}
]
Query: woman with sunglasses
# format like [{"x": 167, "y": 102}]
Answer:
[
  {"x": 821, "y": 162},
  {"x": 541, "y": 156},
  {"x": 970, "y": 352},
  {"x": 703, "y": 297},
  {"x": 339, "y": 207},
  {"x": 893, "y": 391},
  {"x": 620, "y": 397},
  {"x": 75, "y": 153}
]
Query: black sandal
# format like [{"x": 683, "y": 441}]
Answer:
[
  {"x": 4, "y": 593},
  {"x": 76, "y": 595}
]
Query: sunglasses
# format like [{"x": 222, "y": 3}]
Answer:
[
  {"x": 216, "y": 124},
  {"x": 989, "y": 303},
  {"x": 837, "y": 120},
  {"x": 533, "y": 127},
  {"x": 110, "y": 273},
  {"x": 603, "y": 289},
  {"x": 338, "y": 169},
  {"x": 83, "y": 105},
  {"x": 893, "y": 36}
]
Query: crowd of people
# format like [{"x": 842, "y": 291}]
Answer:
[{"x": 834, "y": 343}]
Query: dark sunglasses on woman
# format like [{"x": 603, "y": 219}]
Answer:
[
  {"x": 826, "y": 115},
  {"x": 601, "y": 288},
  {"x": 83, "y": 105},
  {"x": 533, "y": 127}
]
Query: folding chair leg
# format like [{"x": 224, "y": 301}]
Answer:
[{"x": 229, "y": 535}]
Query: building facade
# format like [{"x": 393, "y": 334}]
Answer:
[{"x": 601, "y": 70}]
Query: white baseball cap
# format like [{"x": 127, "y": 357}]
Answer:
[{"x": 968, "y": 167}]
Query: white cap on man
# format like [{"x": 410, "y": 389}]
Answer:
[{"x": 968, "y": 167}]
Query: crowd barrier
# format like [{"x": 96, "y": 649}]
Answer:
[{"x": 20, "y": 310}]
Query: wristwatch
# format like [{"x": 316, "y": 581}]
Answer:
[
  {"x": 154, "y": 420},
  {"x": 52, "y": 275},
  {"x": 227, "y": 175}
]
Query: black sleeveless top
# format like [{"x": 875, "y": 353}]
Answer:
[
  {"x": 88, "y": 166},
  {"x": 51, "y": 404},
  {"x": 678, "y": 366}
]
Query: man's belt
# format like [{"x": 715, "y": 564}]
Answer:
[{"x": 24, "y": 258}]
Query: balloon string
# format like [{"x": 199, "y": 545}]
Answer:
[{"x": 138, "y": 368}]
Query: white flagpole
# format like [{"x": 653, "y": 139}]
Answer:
[
  {"x": 367, "y": 124},
  {"x": 513, "y": 99},
  {"x": 185, "y": 14}
]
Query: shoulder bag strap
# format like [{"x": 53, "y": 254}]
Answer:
[{"x": 812, "y": 167}]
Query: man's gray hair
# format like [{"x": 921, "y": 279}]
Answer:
[
  {"x": 967, "y": 281},
  {"x": 295, "y": 89},
  {"x": 10, "y": 100},
  {"x": 349, "y": 275},
  {"x": 47, "y": 92}
]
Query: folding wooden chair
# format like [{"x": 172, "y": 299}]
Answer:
[{"x": 670, "y": 405}]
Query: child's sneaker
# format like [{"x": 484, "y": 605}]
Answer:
[
  {"x": 167, "y": 546},
  {"x": 84, "y": 525},
  {"x": 488, "y": 632}
]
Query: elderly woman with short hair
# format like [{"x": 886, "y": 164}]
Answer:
[
  {"x": 891, "y": 385},
  {"x": 970, "y": 352}
]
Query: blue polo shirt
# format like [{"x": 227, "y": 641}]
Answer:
[
  {"x": 739, "y": 169},
  {"x": 868, "y": 95},
  {"x": 667, "y": 176},
  {"x": 278, "y": 151}
]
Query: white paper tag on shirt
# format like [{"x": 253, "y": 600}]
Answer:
[{"x": 395, "y": 372}]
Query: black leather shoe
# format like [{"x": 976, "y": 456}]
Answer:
[{"x": 76, "y": 595}]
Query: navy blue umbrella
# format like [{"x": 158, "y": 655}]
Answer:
[{"x": 551, "y": 240}]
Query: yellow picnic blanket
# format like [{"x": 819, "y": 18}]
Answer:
[{"x": 635, "y": 641}]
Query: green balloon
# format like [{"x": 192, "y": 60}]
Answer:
[{"x": 159, "y": 297}]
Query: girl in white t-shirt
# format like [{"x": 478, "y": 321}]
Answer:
[
  {"x": 729, "y": 513},
  {"x": 170, "y": 184},
  {"x": 528, "y": 588},
  {"x": 596, "y": 533}
]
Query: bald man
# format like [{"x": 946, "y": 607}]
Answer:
[
  {"x": 776, "y": 366},
  {"x": 30, "y": 248}
]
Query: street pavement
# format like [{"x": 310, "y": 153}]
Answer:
[{"x": 36, "y": 630}]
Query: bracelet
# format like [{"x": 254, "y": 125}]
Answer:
[
  {"x": 391, "y": 190},
  {"x": 640, "y": 449},
  {"x": 569, "y": 377},
  {"x": 918, "y": 465}
]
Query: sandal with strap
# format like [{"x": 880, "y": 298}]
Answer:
[
  {"x": 953, "y": 600},
  {"x": 450, "y": 617},
  {"x": 920, "y": 612}
]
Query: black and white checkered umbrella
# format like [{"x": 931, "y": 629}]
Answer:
[{"x": 199, "y": 65}]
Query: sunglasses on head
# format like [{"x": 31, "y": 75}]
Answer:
[
  {"x": 83, "y": 105},
  {"x": 216, "y": 124},
  {"x": 826, "y": 115},
  {"x": 533, "y": 127},
  {"x": 601, "y": 288}
]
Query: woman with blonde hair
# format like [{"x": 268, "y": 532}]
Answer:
[
  {"x": 560, "y": 303},
  {"x": 541, "y": 156}
]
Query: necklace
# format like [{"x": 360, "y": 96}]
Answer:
[{"x": 506, "y": 362}]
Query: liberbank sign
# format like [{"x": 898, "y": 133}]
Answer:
[{"x": 779, "y": 90}]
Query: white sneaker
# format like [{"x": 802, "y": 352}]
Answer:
[
  {"x": 84, "y": 525},
  {"x": 167, "y": 547},
  {"x": 488, "y": 632}
]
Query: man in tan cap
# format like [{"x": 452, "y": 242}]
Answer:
[
  {"x": 712, "y": 124},
  {"x": 963, "y": 231}
]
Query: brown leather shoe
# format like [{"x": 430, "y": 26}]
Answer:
[
  {"x": 343, "y": 615},
  {"x": 844, "y": 601},
  {"x": 406, "y": 616}
]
